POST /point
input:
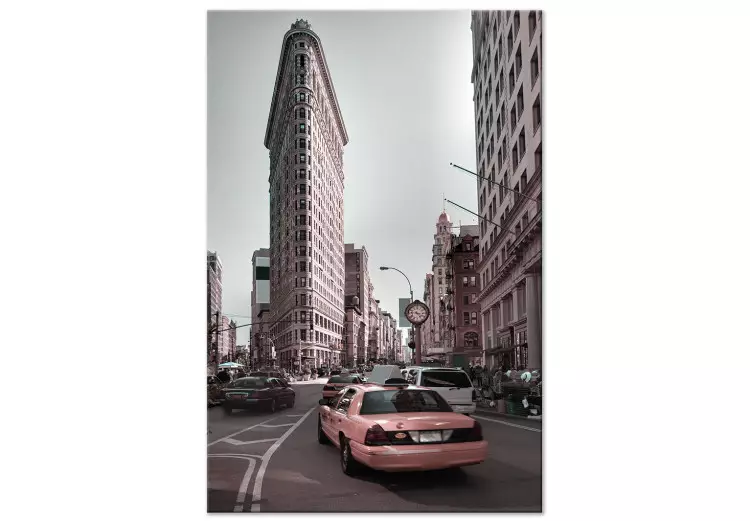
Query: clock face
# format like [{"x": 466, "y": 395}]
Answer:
[{"x": 417, "y": 313}]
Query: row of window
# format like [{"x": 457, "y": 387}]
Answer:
[{"x": 470, "y": 318}]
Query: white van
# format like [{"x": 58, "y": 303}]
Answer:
[{"x": 452, "y": 384}]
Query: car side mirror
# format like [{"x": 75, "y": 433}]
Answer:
[{"x": 323, "y": 401}]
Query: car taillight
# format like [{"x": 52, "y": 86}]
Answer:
[
  {"x": 329, "y": 388},
  {"x": 476, "y": 433},
  {"x": 376, "y": 436}
]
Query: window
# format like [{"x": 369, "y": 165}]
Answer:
[
  {"x": 473, "y": 317},
  {"x": 537, "y": 114},
  {"x": 301, "y": 143},
  {"x": 515, "y": 157},
  {"x": 532, "y": 24},
  {"x": 525, "y": 220},
  {"x": 534, "y": 68},
  {"x": 522, "y": 142},
  {"x": 519, "y": 101},
  {"x": 473, "y": 298},
  {"x": 303, "y": 158},
  {"x": 510, "y": 43},
  {"x": 473, "y": 281},
  {"x": 511, "y": 80},
  {"x": 442, "y": 378},
  {"x": 303, "y": 334},
  {"x": 302, "y": 59},
  {"x": 403, "y": 400},
  {"x": 466, "y": 300},
  {"x": 303, "y": 317},
  {"x": 303, "y": 236},
  {"x": 516, "y": 22},
  {"x": 302, "y": 128},
  {"x": 345, "y": 401},
  {"x": 523, "y": 182},
  {"x": 302, "y": 188},
  {"x": 497, "y": 94},
  {"x": 519, "y": 62},
  {"x": 513, "y": 119},
  {"x": 466, "y": 282},
  {"x": 538, "y": 159},
  {"x": 301, "y": 113},
  {"x": 466, "y": 318},
  {"x": 301, "y": 45}
]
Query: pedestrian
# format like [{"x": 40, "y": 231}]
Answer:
[
  {"x": 241, "y": 373},
  {"x": 224, "y": 376}
]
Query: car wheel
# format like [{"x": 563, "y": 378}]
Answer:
[
  {"x": 322, "y": 438},
  {"x": 272, "y": 407},
  {"x": 291, "y": 402},
  {"x": 348, "y": 464}
]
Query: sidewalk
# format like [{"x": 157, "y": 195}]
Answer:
[
  {"x": 493, "y": 412},
  {"x": 318, "y": 381}
]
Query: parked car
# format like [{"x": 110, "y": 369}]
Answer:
[
  {"x": 454, "y": 385},
  {"x": 398, "y": 427},
  {"x": 336, "y": 383},
  {"x": 254, "y": 392},
  {"x": 214, "y": 390}
]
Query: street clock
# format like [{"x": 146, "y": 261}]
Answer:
[{"x": 417, "y": 313}]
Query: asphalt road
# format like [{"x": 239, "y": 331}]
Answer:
[{"x": 265, "y": 462}]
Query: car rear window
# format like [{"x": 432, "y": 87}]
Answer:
[
  {"x": 341, "y": 379},
  {"x": 253, "y": 382},
  {"x": 403, "y": 400},
  {"x": 445, "y": 379}
]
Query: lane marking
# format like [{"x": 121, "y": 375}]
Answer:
[
  {"x": 280, "y": 425},
  {"x": 295, "y": 415},
  {"x": 266, "y": 458},
  {"x": 508, "y": 424},
  {"x": 238, "y": 442},
  {"x": 242, "y": 493},
  {"x": 232, "y": 455},
  {"x": 239, "y": 432}
]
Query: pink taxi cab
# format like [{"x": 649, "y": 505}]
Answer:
[{"x": 398, "y": 427}]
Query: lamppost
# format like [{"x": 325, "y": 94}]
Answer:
[{"x": 411, "y": 293}]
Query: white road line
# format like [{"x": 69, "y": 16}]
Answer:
[
  {"x": 242, "y": 493},
  {"x": 232, "y": 455},
  {"x": 266, "y": 457},
  {"x": 280, "y": 425},
  {"x": 509, "y": 424},
  {"x": 239, "y": 432},
  {"x": 238, "y": 442},
  {"x": 295, "y": 415}
]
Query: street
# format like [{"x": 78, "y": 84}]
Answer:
[{"x": 262, "y": 462}]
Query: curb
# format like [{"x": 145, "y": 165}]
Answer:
[{"x": 492, "y": 412}]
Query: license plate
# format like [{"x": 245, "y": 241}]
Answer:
[
  {"x": 430, "y": 436},
  {"x": 239, "y": 396}
]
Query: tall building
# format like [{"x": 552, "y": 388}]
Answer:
[
  {"x": 358, "y": 284},
  {"x": 507, "y": 50},
  {"x": 213, "y": 302},
  {"x": 441, "y": 344},
  {"x": 260, "y": 297},
  {"x": 225, "y": 339},
  {"x": 306, "y": 137},
  {"x": 463, "y": 260}
]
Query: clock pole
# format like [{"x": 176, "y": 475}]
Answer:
[{"x": 418, "y": 344}]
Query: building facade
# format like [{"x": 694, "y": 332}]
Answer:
[
  {"x": 463, "y": 303},
  {"x": 358, "y": 284},
  {"x": 427, "y": 330},
  {"x": 214, "y": 271},
  {"x": 442, "y": 343},
  {"x": 306, "y": 137},
  {"x": 260, "y": 296},
  {"x": 507, "y": 50}
]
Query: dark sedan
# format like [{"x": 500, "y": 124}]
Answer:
[{"x": 258, "y": 392}]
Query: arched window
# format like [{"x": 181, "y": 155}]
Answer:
[
  {"x": 302, "y": 113},
  {"x": 471, "y": 340}
]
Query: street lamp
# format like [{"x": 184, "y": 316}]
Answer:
[{"x": 411, "y": 293}]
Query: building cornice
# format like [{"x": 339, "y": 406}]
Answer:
[{"x": 285, "y": 54}]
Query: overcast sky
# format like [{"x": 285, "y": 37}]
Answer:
[{"x": 403, "y": 81}]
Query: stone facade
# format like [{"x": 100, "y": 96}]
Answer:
[
  {"x": 306, "y": 137},
  {"x": 507, "y": 78}
]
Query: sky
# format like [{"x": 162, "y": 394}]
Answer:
[{"x": 403, "y": 82}]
